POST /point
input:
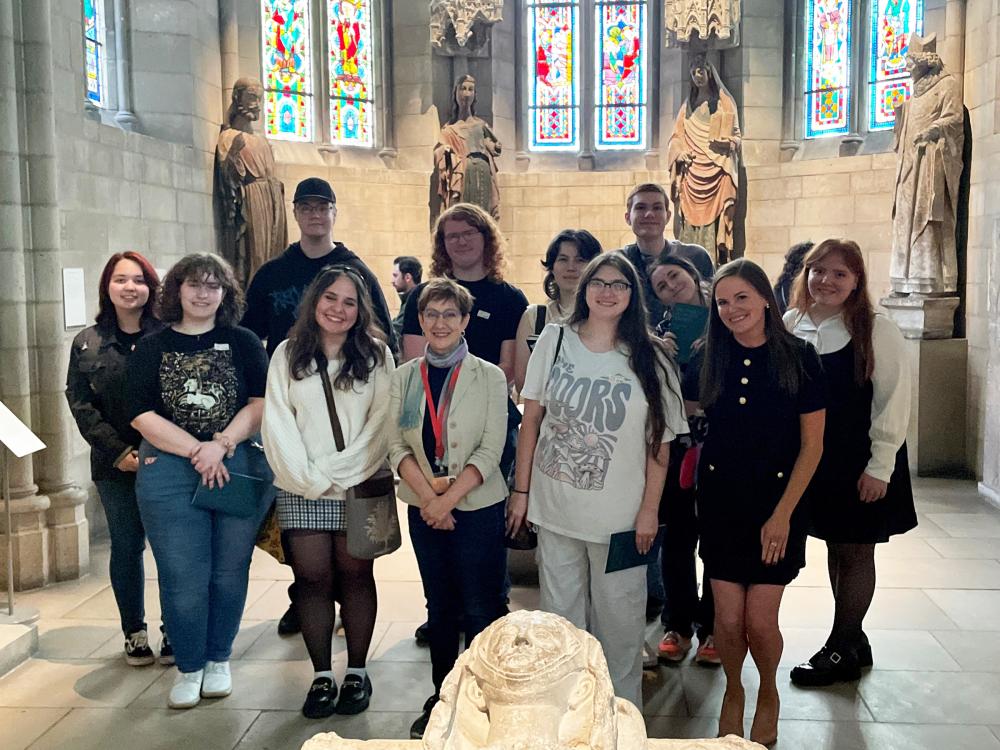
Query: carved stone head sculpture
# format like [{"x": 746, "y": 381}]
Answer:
[
  {"x": 532, "y": 681},
  {"x": 247, "y": 95},
  {"x": 922, "y": 57}
]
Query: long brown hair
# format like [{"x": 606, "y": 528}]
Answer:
[
  {"x": 858, "y": 312},
  {"x": 782, "y": 347},
  {"x": 198, "y": 267},
  {"x": 363, "y": 350},
  {"x": 646, "y": 353},
  {"x": 493, "y": 242}
]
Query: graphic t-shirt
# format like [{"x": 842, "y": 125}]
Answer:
[
  {"x": 197, "y": 382},
  {"x": 590, "y": 460},
  {"x": 496, "y": 312}
]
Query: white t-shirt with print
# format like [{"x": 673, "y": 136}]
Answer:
[{"x": 587, "y": 477}]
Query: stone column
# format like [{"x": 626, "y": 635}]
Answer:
[
  {"x": 123, "y": 65},
  {"x": 69, "y": 551},
  {"x": 30, "y": 534},
  {"x": 229, "y": 48}
]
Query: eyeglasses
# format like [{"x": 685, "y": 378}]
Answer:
[
  {"x": 451, "y": 317},
  {"x": 455, "y": 237},
  {"x": 599, "y": 285},
  {"x": 316, "y": 209}
]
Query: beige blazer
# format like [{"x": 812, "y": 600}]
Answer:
[{"x": 477, "y": 427}]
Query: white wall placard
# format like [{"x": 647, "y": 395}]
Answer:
[
  {"x": 15, "y": 434},
  {"x": 74, "y": 298}
]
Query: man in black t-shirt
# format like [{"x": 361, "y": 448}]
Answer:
[
  {"x": 272, "y": 300},
  {"x": 647, "y": 212},
  {"x": 274, "y": 293}
]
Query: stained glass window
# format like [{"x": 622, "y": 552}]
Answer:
[
  {"x": 352, "y": 105},
  {"x": 554, "y": 89},
  {"x": 828, "y": 67},
  {"x": 893, "y": 22},
  {"x": 287, "y": 65},
  {"x": 94, "y": 49},
  {"x": 620, "y": 90}
]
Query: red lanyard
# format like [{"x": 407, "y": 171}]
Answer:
[{"x": 439, "y": 415}]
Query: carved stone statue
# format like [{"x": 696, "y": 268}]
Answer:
[
  {"x": 531, "y": 681},
  {"x": 704, "y": 159},
  {"x": 250, "y": 197},
  {"x": 688, "y": 20},
  {"x": 928, "y": 141},
  {"x": 465, "y": 156},
  {"x": 462, "y": 23}
]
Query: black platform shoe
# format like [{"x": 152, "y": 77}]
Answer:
[
  {"x": 355, "y": 695},
  {"x": 864, "y": 652},
  {"x": 827, "y": 666},
  {"x": 418, "y": 727},
  {"x": 321, "y": 699}
]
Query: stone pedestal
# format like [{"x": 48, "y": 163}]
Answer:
[
  {"x": 69, "y": 534},
  {"x": 920, "y": 317},
  {"x": 936, "y": 438},
  {"x": 30, "y": 543}
]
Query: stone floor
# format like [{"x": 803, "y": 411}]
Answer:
[{"x": 934, "y": 627}]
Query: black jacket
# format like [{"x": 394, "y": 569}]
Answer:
[{"x": 95, "y": 389}]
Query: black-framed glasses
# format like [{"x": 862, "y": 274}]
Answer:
[{"x": 618, "y": 287}]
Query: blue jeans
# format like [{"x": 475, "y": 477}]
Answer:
[
  {"x": 202, "y": 556},
  {"x": 463, "y": 576},
  {"x": 128, "y": 541}
]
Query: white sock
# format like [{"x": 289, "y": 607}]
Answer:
[
  {"x": 359, "y": 671},
  {"x": 328, "y": 674}
]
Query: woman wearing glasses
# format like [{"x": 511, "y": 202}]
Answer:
[
  {"x": 447, "y": 425},
  {"x": 601, "y": 405}
]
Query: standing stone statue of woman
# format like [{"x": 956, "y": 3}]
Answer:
[
  {"x": 704, "y": 155},
  {"x": 251, "y": 198},
  {"x": 465, "y": 156}
]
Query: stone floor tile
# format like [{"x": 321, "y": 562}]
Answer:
[
  {"x": 22, "y": 726},
  {"x": 905, "y": 609},
  {"x": 102, "y": 604},
  {"x": 524, "y": 597},
  {"x": 996, "y": 731},
  {"x": 400, "y": 686},
  {"x": 932, "y": 697},
  {"x": 42, "y": 683},
  {"x": 663, "y": 693},
  {"x": 926, "y": 737},
  {"x": 75, "y": 639},
  {"x": 968, "y": 524},
  {"x": 266, "y": 568},
  {"x": 401, "y": 600},
  {"x": 287, "y": 730},
  {"x": 59, "y": 599},
  {"x": 926, "y": 528},
  {"x": 970, "y": 610},
  {"x": 681, "y": 727},
  {"x": 906, "y": 547},
  {"x": 974, "y": 650},
  {"x": 159, "y": 728},
  {"x": 966, "y": 548},
  {"x": 939, "y": 574},
  {"x": 398, "y": 644},
  {"x": 271, "y": 603}
]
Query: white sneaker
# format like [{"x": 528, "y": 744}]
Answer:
[
  {"x": 186, "y": 692},
  {"x": 218, "y": 682}
]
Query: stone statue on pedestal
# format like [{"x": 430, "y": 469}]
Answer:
[
  {"x": 465, "y": 156},
  {"x": 928, "y": 141},
  {"x": 251, "y": 199},
  {"x": 531, "y": 681},
  {"x": 688, "y": 20},
  {"x": 704, "y": 161}
]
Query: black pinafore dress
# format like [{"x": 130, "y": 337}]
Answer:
[{"x": 837, "y": 513}]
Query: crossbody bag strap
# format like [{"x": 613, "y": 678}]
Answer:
[
  {"x": 539, "y": 320},
  {"x": 331, "y": 405},
  {"x": 562, "y": 330}
]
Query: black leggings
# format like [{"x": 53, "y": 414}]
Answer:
[
  {"x": 324, "y": 571},
  {"x": 852, "y": 577}
]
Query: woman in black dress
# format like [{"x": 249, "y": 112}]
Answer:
[
  {"x": 763, "y": 393},
  {"x": 861, "y": 493}
]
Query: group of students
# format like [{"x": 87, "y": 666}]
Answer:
[{"x": 769, "y": 430}]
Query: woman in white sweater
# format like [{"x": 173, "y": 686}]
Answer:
[{"x": 335, "y": 331}]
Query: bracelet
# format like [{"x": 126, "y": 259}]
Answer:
[
  {"x": 519, "y": 492},
  {"x": 227, "y": 443}
]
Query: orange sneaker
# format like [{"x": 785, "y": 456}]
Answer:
[
  {"x": 674, "y": 646},
  {"x": 707, "y": 653}
]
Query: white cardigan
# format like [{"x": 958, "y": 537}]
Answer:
[
  {"x": 298, "y": 438},
  {"x": 890, "y": 380}
]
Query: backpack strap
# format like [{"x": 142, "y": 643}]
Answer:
[{"x": 539, "y": 320}]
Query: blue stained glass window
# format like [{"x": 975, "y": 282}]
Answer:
[
  {"x": 554, "y": 62},
  {"x": 828, "y": 67},
  {"x": 892, "y": 24},
  {"x": 95, "y": 65},
  {"x": 286, "y": 28},
  {"x": 620, "y": 92}
]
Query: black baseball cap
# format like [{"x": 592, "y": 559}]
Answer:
[{"x": 314, "y": 187}]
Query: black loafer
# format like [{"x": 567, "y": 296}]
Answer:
[
  {"x": 827, "y": 666},
  {"x": 321, "y": 699},
  {"x": 418, "y": 727},
  {"x": 422, "y": 636},
  {"x": 864, "y": 651},
  {"x": 355, "y": 695},
  {"x": 289, "y": 622}
]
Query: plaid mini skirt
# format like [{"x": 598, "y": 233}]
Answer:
[{"x": 297, "y": 512}]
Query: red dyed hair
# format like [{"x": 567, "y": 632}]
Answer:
[{"x": 106, "y": 316}]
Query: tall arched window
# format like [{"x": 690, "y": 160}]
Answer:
[
  {"x": 95, "y": 50},
  {"x": 581, "y": 58},
  {"x": 848, "y": 39},
  {"x": 348, "y": 64}
]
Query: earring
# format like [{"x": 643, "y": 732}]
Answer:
[{"x": 767, "y": 305}]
